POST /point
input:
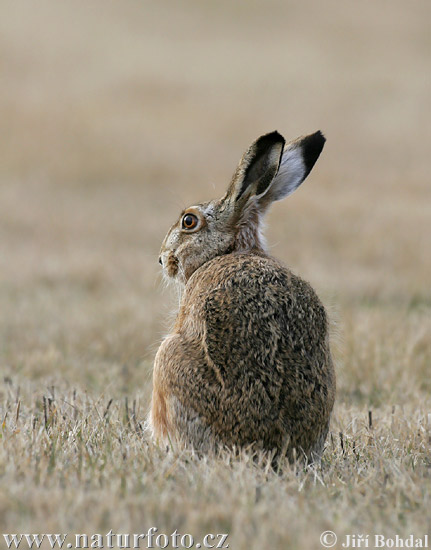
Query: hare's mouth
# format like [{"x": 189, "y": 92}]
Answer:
[{"x": 172, "y": 265}]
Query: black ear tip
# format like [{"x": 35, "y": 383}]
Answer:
[
  {"x": 312, "y": 146},
  {"x": 271, "y": 139},
  {"x": 276, "y": 135}
]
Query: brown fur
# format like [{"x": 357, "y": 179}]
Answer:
[{"x": 248, "y": 360}]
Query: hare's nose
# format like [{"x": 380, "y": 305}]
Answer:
[{"x": 160, "y": 261}]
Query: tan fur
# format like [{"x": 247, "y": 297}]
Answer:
[
  {"x": 248, "y": 361},
  {"x": 159, "y": 415}
]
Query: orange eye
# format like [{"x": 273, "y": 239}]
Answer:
[{"x": 190, "y": 221}]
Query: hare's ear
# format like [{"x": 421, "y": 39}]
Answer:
[
  {"x": 299, "y": 157},
  {"x": 256, "y": 170}
]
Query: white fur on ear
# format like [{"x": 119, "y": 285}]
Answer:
[{"x": 290, "y": 175}]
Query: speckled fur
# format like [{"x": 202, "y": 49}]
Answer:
[{"x": 248, "y": 361}]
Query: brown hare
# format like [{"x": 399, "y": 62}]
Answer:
[{"x": 247, "y": 363}]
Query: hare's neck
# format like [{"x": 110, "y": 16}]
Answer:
[
  {"x": 249, "y": 236},
  {"x": 249, "y": 239}
]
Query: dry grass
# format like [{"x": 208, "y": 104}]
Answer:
[{"x": 114, "y": 116}]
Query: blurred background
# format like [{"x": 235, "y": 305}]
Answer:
[{"x": 115, "y": 115}]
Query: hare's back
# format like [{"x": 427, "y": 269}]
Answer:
[{"x": 262, "y": 365}]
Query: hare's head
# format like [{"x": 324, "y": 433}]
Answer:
[{"x": 269, "y": 171}]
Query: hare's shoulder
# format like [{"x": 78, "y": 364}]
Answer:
[
  {"x": 254, "y": 314},
  {"x": 254, "y": 298}
]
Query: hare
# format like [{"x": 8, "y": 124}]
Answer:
[{"x": 248, "y": 363}]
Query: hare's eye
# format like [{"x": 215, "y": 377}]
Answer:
[{"x": 190, "y": 221}]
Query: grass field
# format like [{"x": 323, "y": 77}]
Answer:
[{"x": 114, "y": 116}]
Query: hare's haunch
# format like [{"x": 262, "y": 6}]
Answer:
[{"x": 248, "y": 361}]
